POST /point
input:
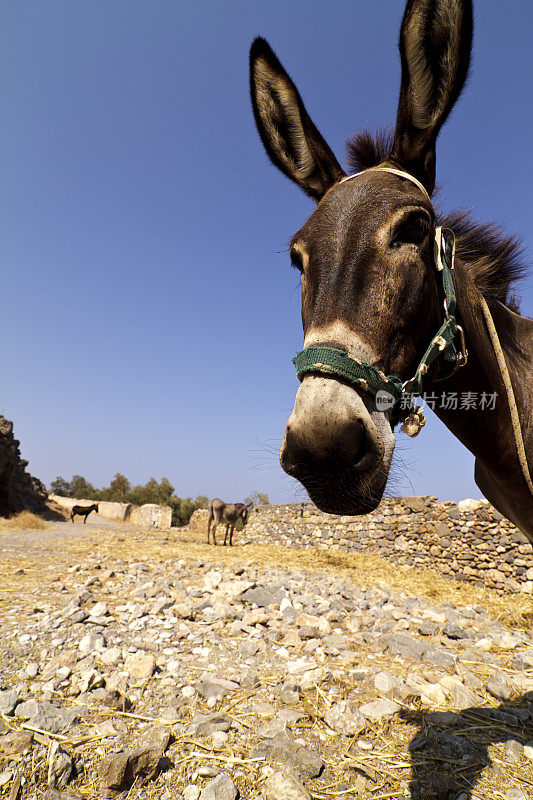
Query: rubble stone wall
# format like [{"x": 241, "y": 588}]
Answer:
[{"x": 468, "y": 540}]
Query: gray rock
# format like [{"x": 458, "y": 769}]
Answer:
[
  {"x": 498, "y": 689},
  {"x": 507, "y": 716},
  {"x": 284, "y": 749},
  {"x": 523, "y": 660},
  {"x": 263, "y": 597},
  {"x": 446, "y": 719},
  {"x": 454, "y": 631},
  {"x": 289, "y": 693},
  {"x": 248, "y": 648},
  {"x": 380, "y": 709},
  {"x": 516, "y": 794},
  {"x": 5, "y": 777},
  {"x": 220, "y": 788},
  {"x": 462, "y": 697},
  {"x": 113, "y": 772},
  {"x": 8, "y": 701},
  {"x": 91, "y": 642},
  {"x": 144, "y": 763},
  {"x": 80, "y": 615},
  {"x": 15, "y": 743},
  {"x": 399, "y": 644},
  {"x": 47, "y": 717},
  {"x": 118, "y": 771},
  {"x": 284, "y": 785},
  {"x": 272, "y": 728},
  {"x": 205, "y": 724},
  {"x": 441, "y": 659},
  {"x": 386, "y": 683},
  {"x": 27, "y": 709},
  {"x": 513, "y": 749},
  {"x": 215, "y": 687},
  {"x": 428, "y": 629},
  {"x": 345, "y": 717},
  {"x": 99, "y": 610},
  {"x": 140, "y": 666},
  {"x": 155, "y": 738},
  {"x": 308, "y": 632},
  {"x": 60, "y": 767}
]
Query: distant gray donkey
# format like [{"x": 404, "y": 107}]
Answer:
[{"x": 228, "y": 513}]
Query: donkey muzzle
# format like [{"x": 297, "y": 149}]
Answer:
[{"x": 338, "y": 446}]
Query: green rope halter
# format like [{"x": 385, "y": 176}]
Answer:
[{"x": 360, "y": 375}]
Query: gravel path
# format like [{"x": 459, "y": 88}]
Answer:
[{"x": 129, "y": 665}]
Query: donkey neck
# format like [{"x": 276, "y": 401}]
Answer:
[{"x": 488, "y": 432}]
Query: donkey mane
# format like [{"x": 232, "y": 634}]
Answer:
[{"x": 493, "y": 258}]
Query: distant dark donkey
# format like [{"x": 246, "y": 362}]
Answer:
[
  {"x": 373, "y": 291},
  {"x": 83, "y": 511},
  {"x": 227, "y": 513}
]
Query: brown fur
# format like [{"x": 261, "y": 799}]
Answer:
[
  {"x": 369, "y": 283},
  {"x": 228, "y": 514},
  {"x": 83, "y": 511},
  {"x": 493, "y": 258}
]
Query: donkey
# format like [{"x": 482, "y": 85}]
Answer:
[
  {"x": 83, "y": 511},
  {"x": 228, "y": 513},
  {"x": 374, "y": 289}
]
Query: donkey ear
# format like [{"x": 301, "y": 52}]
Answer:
[
  {"x": 435, "y": 45},
  {"x": 291, "y": 140}
]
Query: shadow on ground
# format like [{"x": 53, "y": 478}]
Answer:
[{"x": 451, "y": 750}]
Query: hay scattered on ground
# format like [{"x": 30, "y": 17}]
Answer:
[
  {"x": 363, "y": 568},
  {"x": 388, "y": 761},
  {"x": 25, "y": 521}
]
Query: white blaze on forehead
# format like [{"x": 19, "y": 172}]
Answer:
[{"x": 340, "y": 333}]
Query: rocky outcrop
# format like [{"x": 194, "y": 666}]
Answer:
[
  {"x": 468, "y": 540},
  {"x": 19, "y": 491}
]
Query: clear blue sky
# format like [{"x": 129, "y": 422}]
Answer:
[{"x": 149, "y": 314}]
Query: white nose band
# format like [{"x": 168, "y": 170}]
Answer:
[{"x": 393, "y": 172}]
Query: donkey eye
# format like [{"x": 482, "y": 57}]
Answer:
[
  {"x": 297, "y": 260},
  {"x": 412, "y": 230}
]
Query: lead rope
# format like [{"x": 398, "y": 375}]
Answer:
[{"x": 517, "y": 430}]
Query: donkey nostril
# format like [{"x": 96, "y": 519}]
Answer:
[
  {"x": 352, "y": 446},
  {"x": 341, "y": 450}
]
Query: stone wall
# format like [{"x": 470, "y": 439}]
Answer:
[
  {"x": 468, "y": 540},
  {"x": 198, "y": 520},
  {"x": 149, "y": 515},
  {"x": 19, "y": 491}
]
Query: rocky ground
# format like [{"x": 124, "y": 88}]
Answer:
[{"x": 148, "y": 664}]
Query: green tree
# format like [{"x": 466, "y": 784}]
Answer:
[
  {"x": 258, "y": 499},
  {"x": 165, "y": 491},
  {"x": 184, "y": 507},
  {"x": 118, "y": 489},
  {"x": 149, "y": 493},
  {"x": 60, "y": 486},
  {"x": 81, "y": 488}
]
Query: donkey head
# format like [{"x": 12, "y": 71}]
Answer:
[{"x": 365, "y": 254}]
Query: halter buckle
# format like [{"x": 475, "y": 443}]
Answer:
[{"x": 462, "y": 356}]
